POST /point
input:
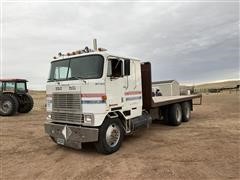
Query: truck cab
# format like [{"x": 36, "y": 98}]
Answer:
[{"x": 88, "y": 91}]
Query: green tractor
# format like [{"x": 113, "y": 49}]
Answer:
[{"x": 14, "y": 97}]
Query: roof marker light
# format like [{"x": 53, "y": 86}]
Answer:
[
  {"x": 86, "y": 50},
  {"x": 102, "y": 49}
]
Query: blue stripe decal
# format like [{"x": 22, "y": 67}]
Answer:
[
  {"x": 133, "y": 98},
  {"x": 93, "y": 102}
]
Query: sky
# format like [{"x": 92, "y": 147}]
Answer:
[{"x": 191, "y": 42}]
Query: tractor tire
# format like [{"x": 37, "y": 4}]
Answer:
[
  {"x": 175, "y": 115},
  {"x": 25, "y": 103},
  {"x": 110, "y": 136},
  {"x": 8, "y": 104},
  {"x": 186, "y": 111}
]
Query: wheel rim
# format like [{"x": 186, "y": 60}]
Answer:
[
  {"x": 6, "y": 106},
  {"x": 178, "y": 114},
  {"x": 113, "y": 135}
]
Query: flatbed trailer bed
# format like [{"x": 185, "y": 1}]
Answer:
[{"x": 158, "y": 101}]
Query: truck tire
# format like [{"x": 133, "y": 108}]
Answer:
[
  {"x": 175, "y": 115},
  {"x": 186, "y": 111},
  {"x": 26, "y": 103},
  {"x": 110, "y": 136},
  {"x": 165, "y": 115},
  {"x": 8, "y": 105}
]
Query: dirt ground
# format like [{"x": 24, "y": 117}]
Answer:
[{"x": 207, "y": 147}]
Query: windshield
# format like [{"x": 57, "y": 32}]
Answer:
[
  {"x": 9, "y": 86},
  {"x": 20, "y": 86},
  {"x": 85, "y": 67}
]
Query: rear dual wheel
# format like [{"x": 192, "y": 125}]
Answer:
[
  {"x": 178, "y": 113},
  {"x": 175, "y": 115},
  {"x": 186, "y": 111}
]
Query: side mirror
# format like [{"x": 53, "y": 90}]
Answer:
[
  {"x": 127, "y": 67},
  {"x": 109, "y": 69}
]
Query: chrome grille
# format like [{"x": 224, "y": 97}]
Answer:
[
  {"x": 67, "y": 117},
  {"x": 66, "y": 102}
]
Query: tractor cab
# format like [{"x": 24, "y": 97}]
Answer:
[{"x": 17, "y": 86}]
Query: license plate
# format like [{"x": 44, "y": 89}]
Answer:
[{"x": 60, "y": 141}]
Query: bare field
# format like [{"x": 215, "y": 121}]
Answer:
[{"x": 207, "y": 147}]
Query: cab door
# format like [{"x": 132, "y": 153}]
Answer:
[{"x": 115, "y": 84}]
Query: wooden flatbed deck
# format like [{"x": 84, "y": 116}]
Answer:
[{"x": 158, "y": 101}]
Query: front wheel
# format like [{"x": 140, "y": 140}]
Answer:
[{"x": 110, "y": 136}]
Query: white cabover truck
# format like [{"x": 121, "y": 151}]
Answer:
[{"x": 94, "y": 96}]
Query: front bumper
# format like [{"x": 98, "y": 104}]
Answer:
[{"x": 69, "y": 135}]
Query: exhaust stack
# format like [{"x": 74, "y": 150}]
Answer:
[{"x": 95, "y": 44}]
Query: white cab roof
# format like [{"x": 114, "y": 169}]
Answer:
[{"x": 103, "y": 53}]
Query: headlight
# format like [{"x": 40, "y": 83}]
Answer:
[{"x": 88, "y": 118}]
